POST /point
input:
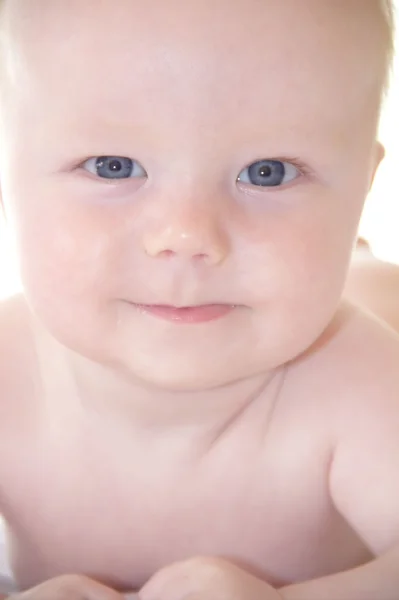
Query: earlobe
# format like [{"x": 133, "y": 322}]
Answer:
[{"x": 378, "y": 157}]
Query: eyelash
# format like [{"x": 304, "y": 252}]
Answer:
[
  {"x": 297, "y": 163},
  {"x": 303, "y": 168}
]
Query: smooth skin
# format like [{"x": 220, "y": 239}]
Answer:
[
  {"x": 373, "y": 284},
  {"x": 253, "y": 457}
]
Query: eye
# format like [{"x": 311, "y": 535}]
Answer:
[
  {"x": 114, "y": 167},
  {"x": 269, "y": 173}
]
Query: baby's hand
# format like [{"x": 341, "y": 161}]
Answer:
[
  {"x": 69, "y": 587},
  {"x": 206, "y": 579}
]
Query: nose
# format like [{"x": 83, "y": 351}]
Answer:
[{"x": 188, "y": 233}]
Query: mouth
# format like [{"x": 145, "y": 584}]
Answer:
[{"x": 187, "y": 314}]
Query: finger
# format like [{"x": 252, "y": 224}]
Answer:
[{"x": 69, "y": 587}]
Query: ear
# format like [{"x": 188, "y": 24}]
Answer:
[{"x": 378, "y": 157}]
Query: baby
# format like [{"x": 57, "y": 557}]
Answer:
[{"x": 189, "y": 410}]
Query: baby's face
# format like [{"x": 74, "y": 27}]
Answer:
[{"x": 186, "y": 154}]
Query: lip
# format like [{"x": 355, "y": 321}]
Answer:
[{"x": 187, "y": 314}]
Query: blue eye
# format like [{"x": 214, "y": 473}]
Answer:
[
  {"x": 114, "y": 167},
  {"x": 268, "y": 173}
]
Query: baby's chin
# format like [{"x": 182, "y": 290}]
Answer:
[
  {"x": 187, "y": 372},
  {"x": 176, "y": 370},
  {"x": 180, "y": 370},
  {"x": 182, "y": 373},
  {"x": 183, "y": 357}
]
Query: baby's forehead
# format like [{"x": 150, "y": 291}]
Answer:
[{"x": 195, "y": 53}]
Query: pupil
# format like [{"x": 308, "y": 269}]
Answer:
[
  {"x": 115, "y": 166},
  {"x": 265, "y": 171}
]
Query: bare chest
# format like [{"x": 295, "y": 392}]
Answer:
[{"x": 120, "y": 517}]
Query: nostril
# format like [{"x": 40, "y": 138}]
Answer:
[
  {"x": 200, "y": 257},
  {"x": 166, "y": 254},
  {"x": 170, "y": 254},
  {"x": 200, "y": 247}
]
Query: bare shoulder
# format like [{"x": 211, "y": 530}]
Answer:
[
  {"x": 14, "y": 326},
  {"x": 362, "y": 388},
  {"x": 12, "y": 310},
  {"x": 374, "y": 284},
  {"x": 350, "y": 380},
  {"x": 353, "y": 369},
  {"x": 18, "y": 383},
  {"x": 366, "y": 392},
  {"x": 369, "y": 352},
  {"x": 362, "y": 344},
  {"x": 15, "y": 351}
]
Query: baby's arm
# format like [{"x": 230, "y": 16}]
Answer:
[
  {"x": 365, "y": 489},
  {"x": 378, "y": 580}
]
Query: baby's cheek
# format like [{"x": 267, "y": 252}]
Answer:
[
  {"x": 63, "y": 269},
  {"x": 310, "y": 276},
  {"x": 66, "y": 288},
  {"x": 56, "y": 260}
]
